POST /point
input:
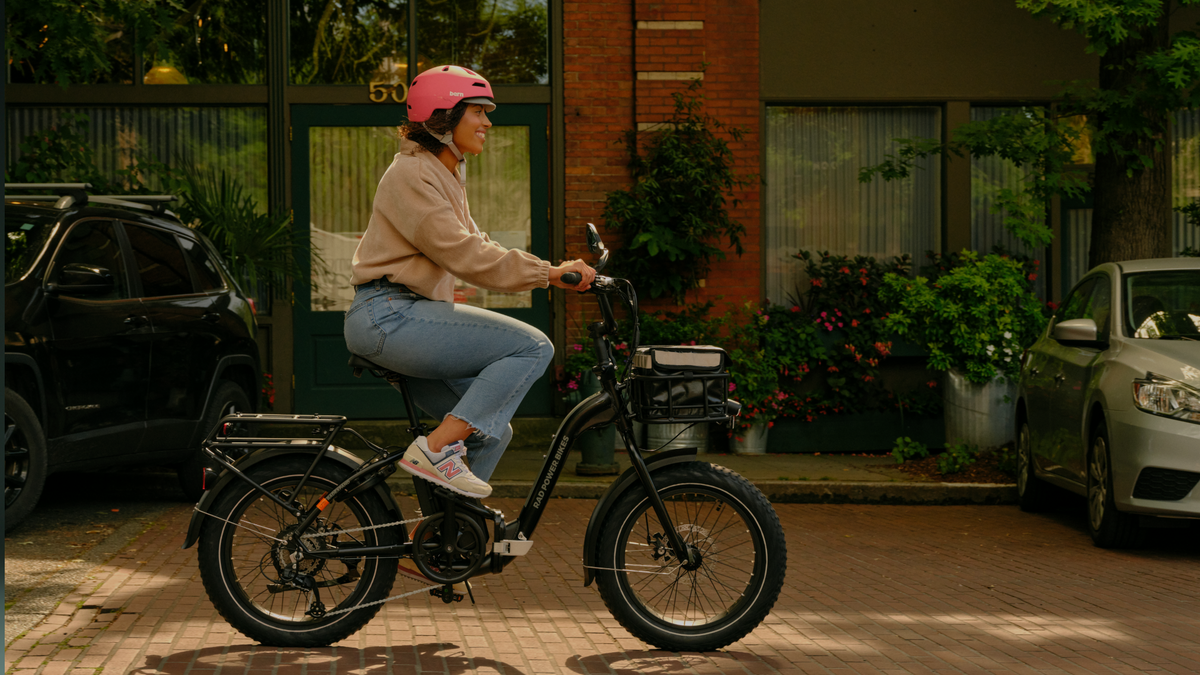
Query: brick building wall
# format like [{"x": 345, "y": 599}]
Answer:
[{"x": 622, "y": 61}]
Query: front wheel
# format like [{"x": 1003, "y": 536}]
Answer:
[
  {"x": 253, "y": 576},
  {"x": 1109, "y": 527},
  {"x": 677, "y": 607}
]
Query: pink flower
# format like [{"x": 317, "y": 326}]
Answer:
[
  {"x": 572, "y": 385},
  {"x": 823, "y": 315},
  {"x": 732, "y": 387},
  {"x": 795, "y": 309},
  {"x": 577, "y": 347},
  {"x": 839, "y": 324}
]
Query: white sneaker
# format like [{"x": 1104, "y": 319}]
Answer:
[{"x": 445, "y": 468}]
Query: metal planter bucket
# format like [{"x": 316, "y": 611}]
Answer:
[
  {"x": 979, "y": 414},
  {"x": 753, "y": 440},
  {"x": 659, "y": 434}
]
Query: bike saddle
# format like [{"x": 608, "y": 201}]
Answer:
[{"x": 359, "y": 364}]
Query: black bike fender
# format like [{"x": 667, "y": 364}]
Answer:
[
  {"x": 346, "y": 458},
  {"x": 627, "y": 480}
]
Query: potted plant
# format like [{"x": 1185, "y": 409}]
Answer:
[{"x": 975, "y": 320}]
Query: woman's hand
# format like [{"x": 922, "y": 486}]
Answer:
[{"x": 586, "y": 273}]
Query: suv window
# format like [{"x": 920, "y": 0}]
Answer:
[
  {"x": 94, "y": 243},
  {"x": 205, "y": 269},
  {"x": 160, "y": 262}
]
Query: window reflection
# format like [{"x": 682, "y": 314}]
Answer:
[
  {"x": 348, "y": 41},
  {"x": 504, "y": 40},
  {"x": 213, "y": 42},
  {"x": 30, "y": 38}
]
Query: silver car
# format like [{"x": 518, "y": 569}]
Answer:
[{"x": 1109, "y": 400}]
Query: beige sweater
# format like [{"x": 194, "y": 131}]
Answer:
[{"x": 421, "y": 235}]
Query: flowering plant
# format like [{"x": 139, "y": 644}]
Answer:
[
  {"x": 267, "y": 392},
  {"x": 576, "y": 366},
  {"x": 769, "y": 351},
  {"x": 975, "y": 318}
]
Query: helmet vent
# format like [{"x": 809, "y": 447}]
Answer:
[
  {"x": 479, "y": 84},
  {"x": 445, "y": 68}
]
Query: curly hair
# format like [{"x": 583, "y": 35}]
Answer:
[{"x": 440, "y": 122}]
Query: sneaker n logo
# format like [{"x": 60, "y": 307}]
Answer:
[{"x": 449, "y": 470}]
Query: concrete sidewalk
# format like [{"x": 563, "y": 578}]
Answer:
[{"x": 831, "y": 477}]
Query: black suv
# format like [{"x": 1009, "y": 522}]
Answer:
[{"x": 125, "y": 339}]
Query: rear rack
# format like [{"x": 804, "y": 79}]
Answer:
[{"x": 76, "y": 194}]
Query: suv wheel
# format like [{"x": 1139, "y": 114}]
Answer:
[
  {"x": 228, "y": 399},
  {"x": 24, "y": 459}
]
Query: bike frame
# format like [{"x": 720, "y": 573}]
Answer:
[{"x": 605, "y": 407}]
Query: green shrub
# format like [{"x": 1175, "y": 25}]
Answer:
[
  {"x": 957, "y": 457},
  {"x": 906, "y": 449}
]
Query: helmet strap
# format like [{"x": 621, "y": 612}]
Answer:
[{"x": 448, "y": 141}]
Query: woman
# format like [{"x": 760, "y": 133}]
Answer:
[{"x": 466, "y": 366}]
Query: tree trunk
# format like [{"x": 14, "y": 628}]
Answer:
[{"x": 1131, "y": 216}]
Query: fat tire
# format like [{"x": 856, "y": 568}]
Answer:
[
  {"x": 1109, "y": 527},
  {"x": 755, "y": 595},
  {"x": 26, "y": 464},
  {"x": 227, "y": 398},
  {"x": 1033, "y": 494},
  {"x": 229, "y": 590}
]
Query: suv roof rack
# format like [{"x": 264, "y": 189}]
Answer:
[{"x": 75, "y": 194}]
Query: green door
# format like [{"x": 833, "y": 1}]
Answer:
[{"x": 338, "y": 155}]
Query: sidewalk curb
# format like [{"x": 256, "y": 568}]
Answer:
[{"x": 799, "y": 492}]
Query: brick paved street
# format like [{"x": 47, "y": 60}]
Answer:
[{"x": 871, "y": 589}]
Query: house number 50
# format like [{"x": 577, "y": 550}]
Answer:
[{"x": 380, "y": 91}]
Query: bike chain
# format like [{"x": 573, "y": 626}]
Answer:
[{"x": 329, "y": 533}]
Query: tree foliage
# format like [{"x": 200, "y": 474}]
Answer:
[
  {"x": 1146, "y": 74},
  {"x": 672, "y": 217}
]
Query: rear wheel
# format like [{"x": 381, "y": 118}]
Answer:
[
  {"x": 25, "y": 462},
  {"x": 1109, "y": 527},
  {"x": 742, "y": 560},
  {"x": 228, "y": 398},
  {"x": 250, "y": 569},
  {"x": 1033, "y": 494}
]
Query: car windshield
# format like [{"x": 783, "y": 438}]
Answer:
[
  {"x": 25, "y": 235},
  {"x": 1163, "y": 305}
]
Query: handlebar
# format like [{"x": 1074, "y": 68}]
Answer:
[{"x": 571, "y": 278}]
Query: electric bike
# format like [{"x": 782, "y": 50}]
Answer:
[{"x": 299, "y": 539}]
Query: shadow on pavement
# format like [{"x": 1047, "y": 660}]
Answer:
[
  {"x": 659, "y": 662},
  {"x": 431, "y": 657}
]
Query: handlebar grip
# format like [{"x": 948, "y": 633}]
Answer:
[{"x": 571, "y": 278}]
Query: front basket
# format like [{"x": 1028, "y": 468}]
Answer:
[{"x": 673, "y": 384}]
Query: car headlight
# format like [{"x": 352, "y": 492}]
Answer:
[{"x": 1170, "y": 398}]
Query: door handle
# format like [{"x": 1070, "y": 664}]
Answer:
[
  {"x": 211, "y": 317},
  {"x": 137, "y": 321}
]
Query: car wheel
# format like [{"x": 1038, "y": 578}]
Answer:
[
  {"x": 229, "y": 398},
  {"x": 1109, "y": 527},
  {"x": 1033, "y": 494},
  {"x": 25, "y": 463}
]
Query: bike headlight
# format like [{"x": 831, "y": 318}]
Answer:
[{"x": 1169, "y": 398}]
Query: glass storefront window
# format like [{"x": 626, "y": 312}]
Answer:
[
  {"x": 814, "y": 201},
  {"x": 506, "y": 41},
  {"x": 348, "y": 41},
  {"x": 214, "y": 42}
]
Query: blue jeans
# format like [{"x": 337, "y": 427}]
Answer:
[{"x": 459, "y": 360}]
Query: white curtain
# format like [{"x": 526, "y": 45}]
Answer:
[
  {"x": 1185, "y": 176},
  {"x": 815, "y": 202}
]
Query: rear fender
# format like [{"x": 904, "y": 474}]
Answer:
[
  {"x": 345, "y": 458},
  {"x": 627, "y": 481}
]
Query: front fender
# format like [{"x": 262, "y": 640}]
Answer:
[
  {"x": 344, "y": 457},
  {"x": 626, "y": 481}
]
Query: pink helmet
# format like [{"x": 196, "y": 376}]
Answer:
[{"x": 442, "y": 87}]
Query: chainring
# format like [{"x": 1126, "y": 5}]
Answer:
[{"x": 448, "y": 560}]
